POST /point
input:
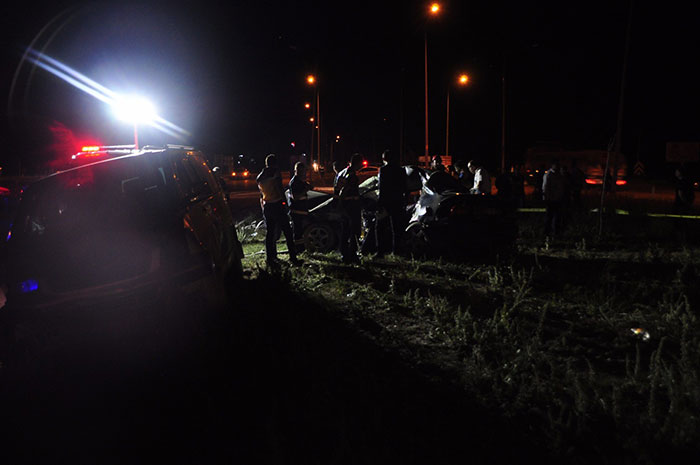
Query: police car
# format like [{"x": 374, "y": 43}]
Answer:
[{"x": 121, "y": 222}]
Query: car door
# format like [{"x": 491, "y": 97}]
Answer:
[{"x": 206, "y": 214}]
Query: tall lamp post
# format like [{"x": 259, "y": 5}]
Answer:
[
  {"x": 311, "y": 144},
  {"x": 134, "y": 110},
  {"x": 462, "y": 80},
  {"x": 433, "y": 10},
  {"x": 311, "y": 80}
]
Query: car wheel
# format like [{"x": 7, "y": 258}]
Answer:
[
  {"x": 319, "y": 237},
  {"x": 416, "y": 239}
]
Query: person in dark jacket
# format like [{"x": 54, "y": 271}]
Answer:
[
  {"x": 272, "y": 202},
  {"x": 554, "y": 193},
  {"x": 299, "y": 203},
  {"x": 685, "y": 192},
  {"x": 392, "y": 190},
  {"x": 347, "y": 190}
]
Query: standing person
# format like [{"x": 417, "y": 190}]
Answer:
[
  {"x": 462, "y": 176},
  {"x": 482, "y": 179},
  {"x": 538, "y": 180},
  {"x": 271, "y": 199},
  {"x": 553, "y": 192},
  {"x": 336, "y": 170},
  {"x": 392, "y": 190},
  {"x": 347, "y": 190},
  {"x": 577, "y": 180},
  {"x": 298, "y": 203},
  {"x": 436, "y": 164},
  {"x": 504, "y": 187},
  {"x": 566, "y": 198},
  {"x": 518, "y": 185},
  {"x": 685, "y": 194}
]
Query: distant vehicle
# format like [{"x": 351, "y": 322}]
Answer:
[
  {"x": 142, "y": 222},
  {"x": 240, "y": 173},
  {"x": 367, "y": 172},
  {"x": 591, "y": 162}
]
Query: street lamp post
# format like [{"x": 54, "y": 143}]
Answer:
[
  {"x": 433, "y": 10},
  {"x": 311, "y": 80},
  {"x": 462, "y": 80}
]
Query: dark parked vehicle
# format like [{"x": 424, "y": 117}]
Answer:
[
  {"x": 149, "y": 222},
  {"x": 441, "y": 217}
]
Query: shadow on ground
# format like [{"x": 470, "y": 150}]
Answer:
[{"x": 270, "y": 379}]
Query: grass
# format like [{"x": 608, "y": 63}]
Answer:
[{"x": 545, "y": 339}]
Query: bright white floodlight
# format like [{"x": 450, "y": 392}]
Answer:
[{"x": 134, "y": 110}]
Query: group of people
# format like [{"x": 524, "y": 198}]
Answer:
[
  {"x": 392, "y": 192},
  {"x": 346, "y": 189},
  {"x": 478, "y": 181}
]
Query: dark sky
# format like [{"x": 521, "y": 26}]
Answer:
[{"x": 233, "y": 74}]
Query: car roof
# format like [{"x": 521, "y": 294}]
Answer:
[{"x": 142, "y": 152}]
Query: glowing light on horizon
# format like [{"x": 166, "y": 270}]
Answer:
[{"x": 102, "y": 93}]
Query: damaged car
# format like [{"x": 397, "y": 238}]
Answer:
[
  {"x": 448, "y": 219},
  {"x": 441, "y": 217}
]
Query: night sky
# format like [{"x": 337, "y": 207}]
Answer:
[{"x": 234, "y": 75}]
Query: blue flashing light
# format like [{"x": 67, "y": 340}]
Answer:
[
  {"x": 9, "y": 234},
  {"x": 29, "y": 285}
]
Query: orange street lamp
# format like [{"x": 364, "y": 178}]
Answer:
[
  {"x": 462, "y": 80},
  {"x": 433, "y": 10},
  {"x": 311, "y": 80}
]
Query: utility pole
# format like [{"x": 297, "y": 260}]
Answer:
[{"x": 503, "y": 117}]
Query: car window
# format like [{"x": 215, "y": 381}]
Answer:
[
  {"x": 195, "y": 178},
  {"x": 117, "y": 194}
]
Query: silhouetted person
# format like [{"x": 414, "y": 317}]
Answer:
[
  {"x": 436, "y": 164},
  {"x": 685, "y": 193},
  {"x": 539, "y": 179},
  {"x": 577, "y": 180},
  {"x": 504, "y": 187},
  {"x": 482, "y": 179},
  {"x": 518, "y": 181},
  {"x": 463, "y": 175},
  {"x": 553, "y": 192},
  {"x": 347, "y": 190},
  {"x": 392, "y": 191},
  {"x": 272, "y": 202},
  {"x": 299, "y": 203}
]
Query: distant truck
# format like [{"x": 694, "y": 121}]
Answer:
[{"x": 591, "y": 162}]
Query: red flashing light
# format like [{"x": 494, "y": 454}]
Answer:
[{"x": 364, "y": 163}]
